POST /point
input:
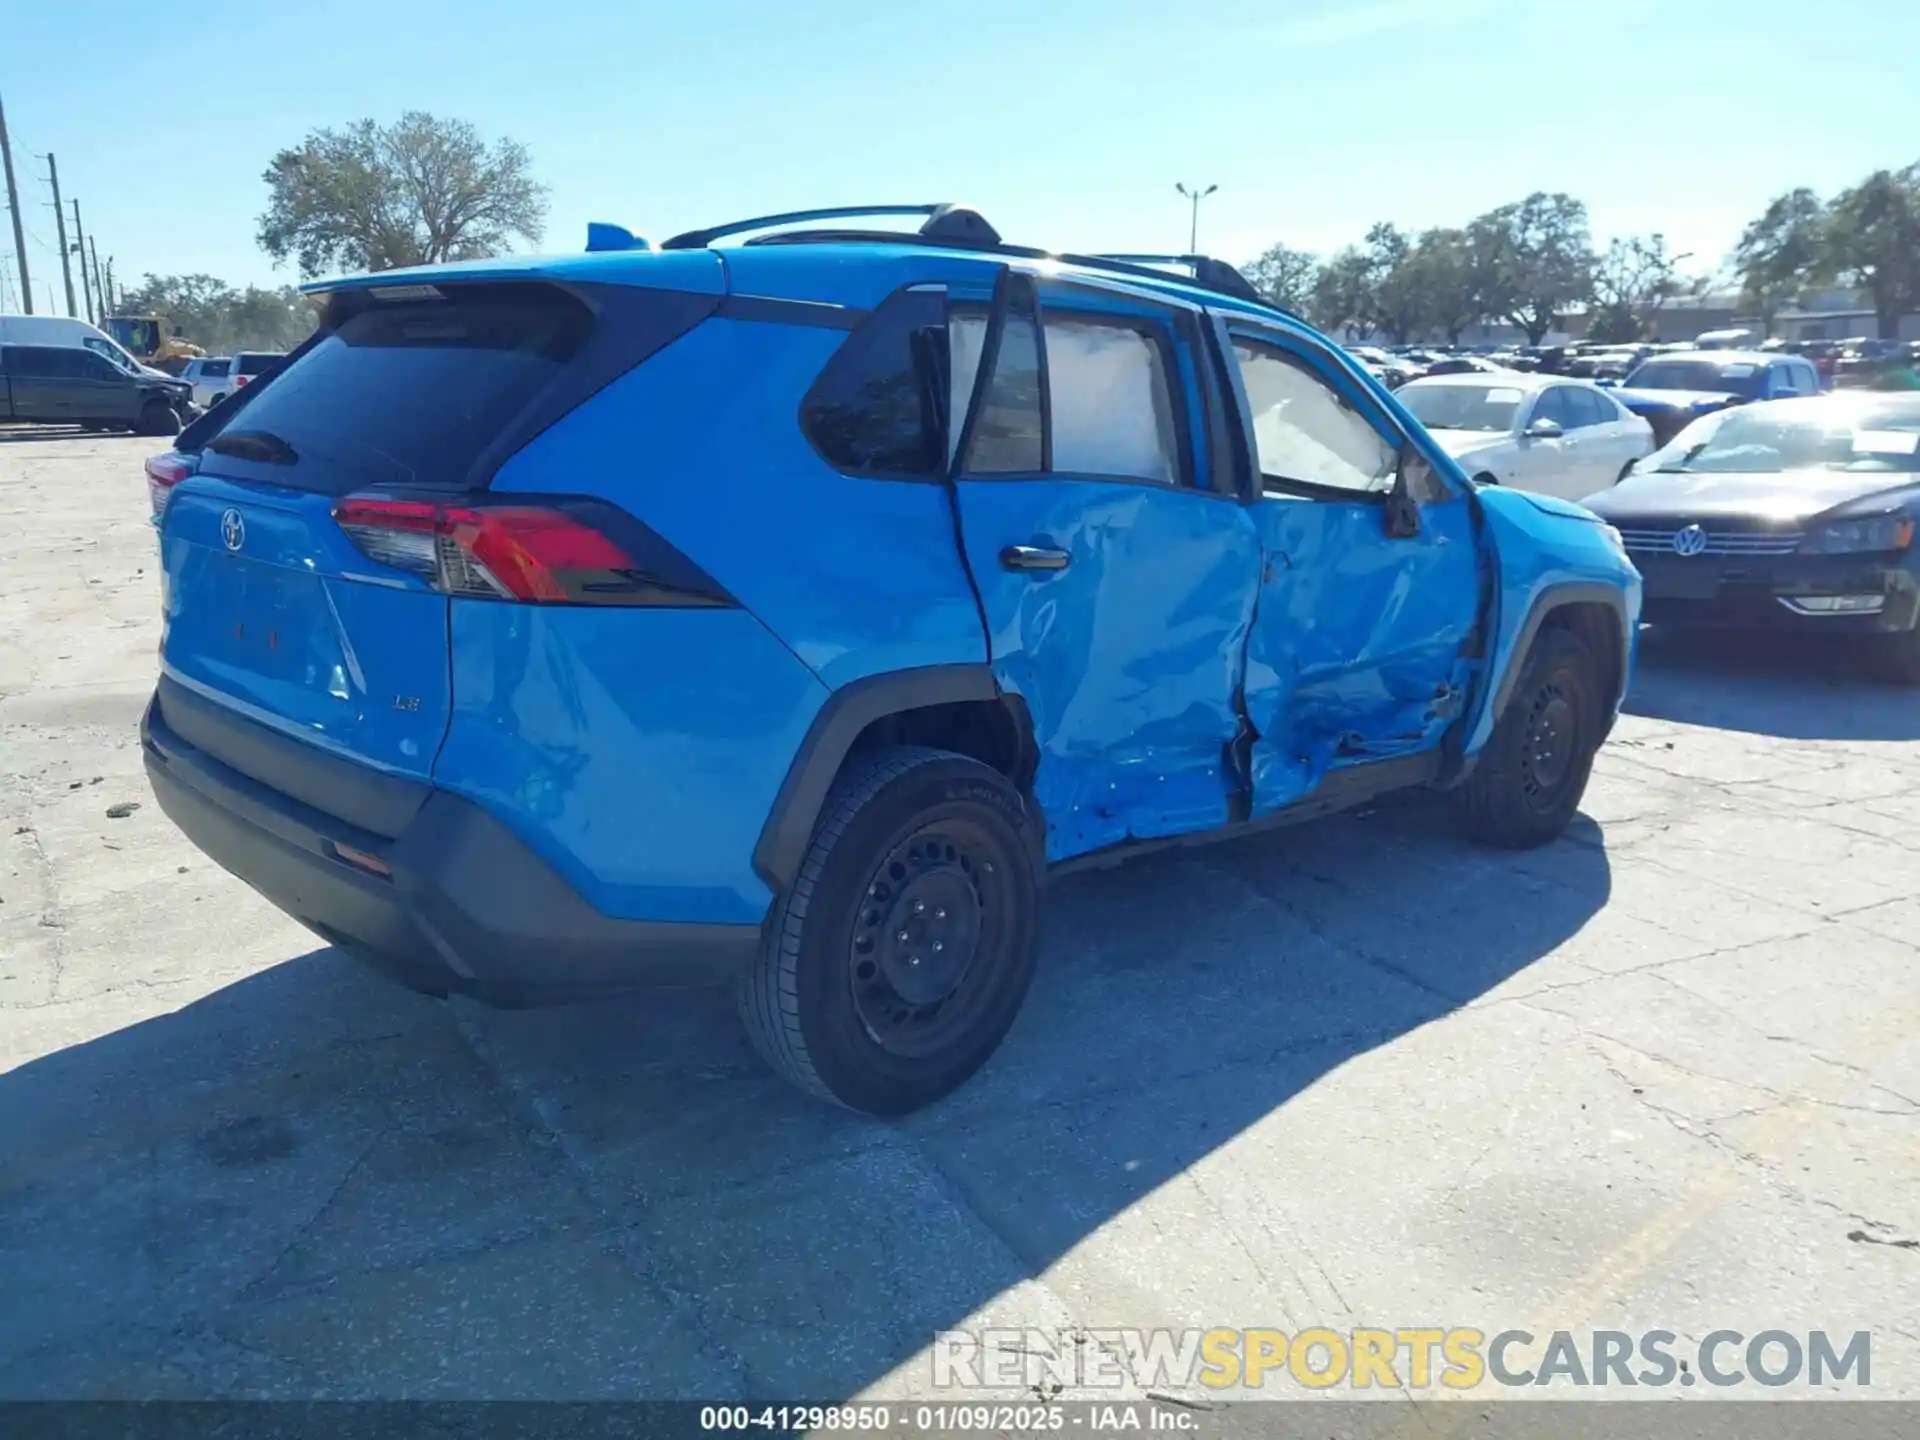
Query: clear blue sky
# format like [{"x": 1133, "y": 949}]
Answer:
[{"x": 1066, "y": 122}]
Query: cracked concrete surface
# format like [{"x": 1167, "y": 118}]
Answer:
[{"x": 1665, "y": 1072}]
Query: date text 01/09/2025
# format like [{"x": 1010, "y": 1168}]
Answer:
[{"x": 945, "y": 1419}]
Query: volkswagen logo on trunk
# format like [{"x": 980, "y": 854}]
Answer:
[
  {"x": 1690, "y": 541},
  {"x": 233, "y": 529}
]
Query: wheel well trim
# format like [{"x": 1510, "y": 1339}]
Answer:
[
  {"x": 848, "y": 711},
  {"x": 1559, "y": 597}
]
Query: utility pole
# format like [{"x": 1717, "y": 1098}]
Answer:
[
  {"x": 60, "y": 233},
  {"x": 80, "y": 249},
  {"x": 113, "y": 297},
  {"x": 1196, "y": 195},
  {"x": 100, "y": 283},
  {"x": 13, "y": 204}
]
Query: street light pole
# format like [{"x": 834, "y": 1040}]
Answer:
[{"x": 1196, "y": 195}]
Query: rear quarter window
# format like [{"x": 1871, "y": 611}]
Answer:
[{"x": 877, "y": 407}]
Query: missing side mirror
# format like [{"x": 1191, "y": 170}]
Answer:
[{"x": 1413, "y": 481}]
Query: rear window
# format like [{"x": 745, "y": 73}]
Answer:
[
  {"x": 412, "y": 393},
  {"x": 252, "y": 364}
]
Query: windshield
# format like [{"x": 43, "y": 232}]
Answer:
[
  {"x": 1463, "y": 407},
  {"x": 1713, "y": 375},
  {"x": 1799, "y": 435}
]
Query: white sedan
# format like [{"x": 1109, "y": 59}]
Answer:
[{"x": 1543, "y": 433}]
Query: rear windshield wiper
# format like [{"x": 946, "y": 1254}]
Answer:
[{"x": 261, "y": 445}]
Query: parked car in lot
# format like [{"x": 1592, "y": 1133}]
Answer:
[
  {"x": 250, "y": 365},
  {"x": 1785, "y": 515},
  {"x": 1533, "y": 432},
  {"x": 211, "y": 377},
  {"x": 69, "y": 385},
  {"x": 549, "y": 627},
  {"x": 1672, "y": 391},
  {"x": 1464, "y": 365}
]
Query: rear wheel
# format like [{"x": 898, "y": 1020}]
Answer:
[
  {"x": 1530, "y": 777},
  {"x": 157, "y": 418},
  {"x": 895, "y": 964}
]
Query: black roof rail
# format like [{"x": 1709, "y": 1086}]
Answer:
[
  {"x": 1208, "y": 273},
  {"x": 946, "y": 224},
  {"x": 961, "y": 227}
]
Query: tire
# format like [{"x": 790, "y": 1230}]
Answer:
[
  {"x": 215, "y": 401},
  {"x": 1625, "y": 471},
  {"x": 157, "y": 418},
  {"x": 1486, "y": 477},
  {"x": 1530, "y": 777},
  {"x": 835, "y": 1002},
  {"x": 1895, "y": 659}
]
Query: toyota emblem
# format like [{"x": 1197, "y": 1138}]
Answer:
[
  {"x": 233, "y": 529},
  {"x": 1690, "y": 541}
]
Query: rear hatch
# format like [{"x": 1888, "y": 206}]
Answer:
[{"x": 270, "y": 607}]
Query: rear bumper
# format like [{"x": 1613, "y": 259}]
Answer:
[{"x": 467, "y": 908}]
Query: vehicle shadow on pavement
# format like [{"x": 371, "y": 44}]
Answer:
[
  {"x": 310, "y": 1183},
  {"x": 1796, "y": 687},
  {"x": 21, "y": 434}
]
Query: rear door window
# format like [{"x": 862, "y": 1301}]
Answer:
[
  {"x": 1009, "y": 433},
  {"x": 215, "y": 369},
  {"x": 1587, "y": 407},
  {"x": 412, "y": 393}
]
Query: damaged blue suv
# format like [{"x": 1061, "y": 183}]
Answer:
[{"x": 783, "y": 604}]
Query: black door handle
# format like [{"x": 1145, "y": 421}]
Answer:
[{"x": 1034, "y": 557}]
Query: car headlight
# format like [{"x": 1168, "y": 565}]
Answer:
[{"x": 1853, "y": 537}]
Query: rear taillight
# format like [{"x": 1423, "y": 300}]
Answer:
[
  {"x": 545, "y": 550},
  {"x": 163, "y": 473},
  {"x": 240, "y": 380}
]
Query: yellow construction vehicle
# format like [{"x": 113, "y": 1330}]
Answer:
[{"x": 152, "y": 340}]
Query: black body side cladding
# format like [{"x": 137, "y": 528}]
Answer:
[{"x": 789, "y": 827}]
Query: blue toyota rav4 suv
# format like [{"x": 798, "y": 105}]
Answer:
[{"x": 785, "y": 611}]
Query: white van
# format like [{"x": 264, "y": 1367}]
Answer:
[{"x": 62, "y": 330}]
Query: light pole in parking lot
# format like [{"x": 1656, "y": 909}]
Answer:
[{"x": 1196, "y": 195}]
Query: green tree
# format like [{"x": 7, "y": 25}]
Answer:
[
  {"x": 1633, "y": 279},
  {"x": 1441, "y": 267},
  {"x": 1534, "y": 258},
  {"x": 1397, "y": 301},
  {"x": 419, "y": 191},
  {"x": 221, "y": 319},
  {"x": 1343, "y": 292},
  {"x": 1782, "y": 253},
  {"x": 1285, "y": 276},
  {"x": 1873, "y": 240}
]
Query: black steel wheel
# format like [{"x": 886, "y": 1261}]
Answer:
[
  {"x": 896, "y": 962},
  {"x": 1530, "y": 777}
]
